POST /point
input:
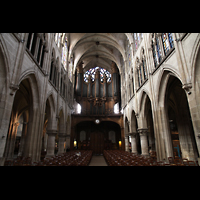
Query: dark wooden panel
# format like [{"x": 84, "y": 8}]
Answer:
[{"x": 97, "y": 142}]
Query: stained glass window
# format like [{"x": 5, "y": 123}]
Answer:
[
  {"x": 56, "y": 38},
  {"x": 165, "y": 42},
  {"x": 138, "y": 77},
  {"x": 64, "y": 54},
  {"x": 155, "y": 57},
  {"x": 158, "y": 49},
  {"x": 129, "y": 60},
  {"x": 92, "y": 73},
  {"x": 59, "y": 36},
  {"x": 138, "y": 38},
  {"x": 136, "y": 41},
  {"x": 70, "y": 70},
  {"x": 171, "y": 40},
  {"x": 144, "y": 68}
]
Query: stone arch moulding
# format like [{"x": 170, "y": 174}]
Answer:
[
  {"x": 60, "y": 109},
  {"x": 193, "y": 58},
  {"x": 34, "y": 82},
  {"x": 6, "y": 59},
  {"x": 133, "y": 120},
  {"x": 161, "y": 85},
  {"x": 62, "y": 120},
  {"x": 51, "y": 98},
  {"x": 142, "y": 98}
]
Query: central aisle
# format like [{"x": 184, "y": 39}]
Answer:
[{"x": 98, "y": 161}]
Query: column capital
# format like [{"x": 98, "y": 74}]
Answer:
[
  {"x": 52, "y": 132},
  {"x": 62, "y": 134},
  {"x": 142, "y": 131},
  {"x": 80, "y": 68},
  {"x": 13, "y": 88},
  {"x": 67, "y": 136},
  {"x": 132, "y": 134},
  {"x": 187, "y": 87}
]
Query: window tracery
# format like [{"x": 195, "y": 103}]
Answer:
[
  {"x": 91, "y": 73},
  {"x": 141, "y": 68},
  {"x": 37, "y": 46},
  {"x": 58, "y": 39},
  {"x": 162, "y": 43},
  {"x": 64, "y": 53},
  {"x": 156, "y": 49},
  {"x": 70, "y": 67},
  {"x": 137, "y": 37}
]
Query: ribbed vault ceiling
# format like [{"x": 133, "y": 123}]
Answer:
[{"x": 98, "y": 49}]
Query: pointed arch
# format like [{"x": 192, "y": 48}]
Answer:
[
  {"x": 161, "y": 85},
  {"x": 194, "y": 58},
  {"x": 127, "y": 124},
  {"x": 142, "y": 98},
  {"x": 34, "y": 82},
  {"x": 61, "y": 124},
  {"x": 134, "y": 123},
  {"x": 52, "y": 101},
  {"x": 5, "y": 65}
]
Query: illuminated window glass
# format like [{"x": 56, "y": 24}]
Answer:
[
  {"x": 171, "y": 41},
  {"x": 158, "y": 49},
  {"x": 165, "y": 42},
  {"x": 92, "y": 73},
  {"x": 64, "y": 54}
]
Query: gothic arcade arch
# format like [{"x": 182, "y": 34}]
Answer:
[
  {"x": 175, "y": 118},
  {"x": 26, "y": 102}
]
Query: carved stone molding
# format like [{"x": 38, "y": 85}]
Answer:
[
  {"x": 133, "y": 134},
  {"x": 62, "y": 134},
  {"x": 137, "y": 115},
  {"x": 52, "y": 132},
  {"x": 187, "y": 87},
  {"x": 13, "y": 88},
  {"x": 143, "y": 131}
]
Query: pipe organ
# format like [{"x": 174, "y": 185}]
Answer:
[{"x": 99, "y": 92}]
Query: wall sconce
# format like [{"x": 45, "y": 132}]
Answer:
[
  {"x": 75, "y": 143},
  {"x": 120, "y": 144}
]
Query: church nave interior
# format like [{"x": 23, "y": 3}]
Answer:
[{"x": 129, "y": 98}]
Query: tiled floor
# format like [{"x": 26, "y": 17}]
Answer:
[{"x": 98, "y": 161}]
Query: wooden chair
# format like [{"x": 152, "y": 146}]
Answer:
[
  {"x": 160, "y": 163},
  {"x": 171, "y": 160},
  {"x": 184, "y": 161},
  {"x": 178, "y": 162},
  {"x": 191, "y": 163},
  {"x": 166, "y": 164}
]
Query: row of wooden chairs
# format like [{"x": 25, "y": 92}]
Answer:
[
  {"x": 71, "y": 158},
  {"x": 177, "y": 161},
  {"x": 19, "y": 161},
  {"x": 123, "y": 158}
]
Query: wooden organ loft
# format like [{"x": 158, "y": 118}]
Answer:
[{"x": 97, "y": 96}]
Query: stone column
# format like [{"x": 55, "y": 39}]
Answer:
[
  {"x": 12, "y": 141},
  {"x": 67, "y": 142},
  {"x": 51, "y": 142},
  {"x": 122, "y": 139},
  {"x": 79, "y": 80},
  {"x": 22, "y": 140},
  {"x": 133, "y": 142},
  {"x": 143, "y": 141},
  {"x": 126, "y": 143},
  {"x": 61, "y": 143}
]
